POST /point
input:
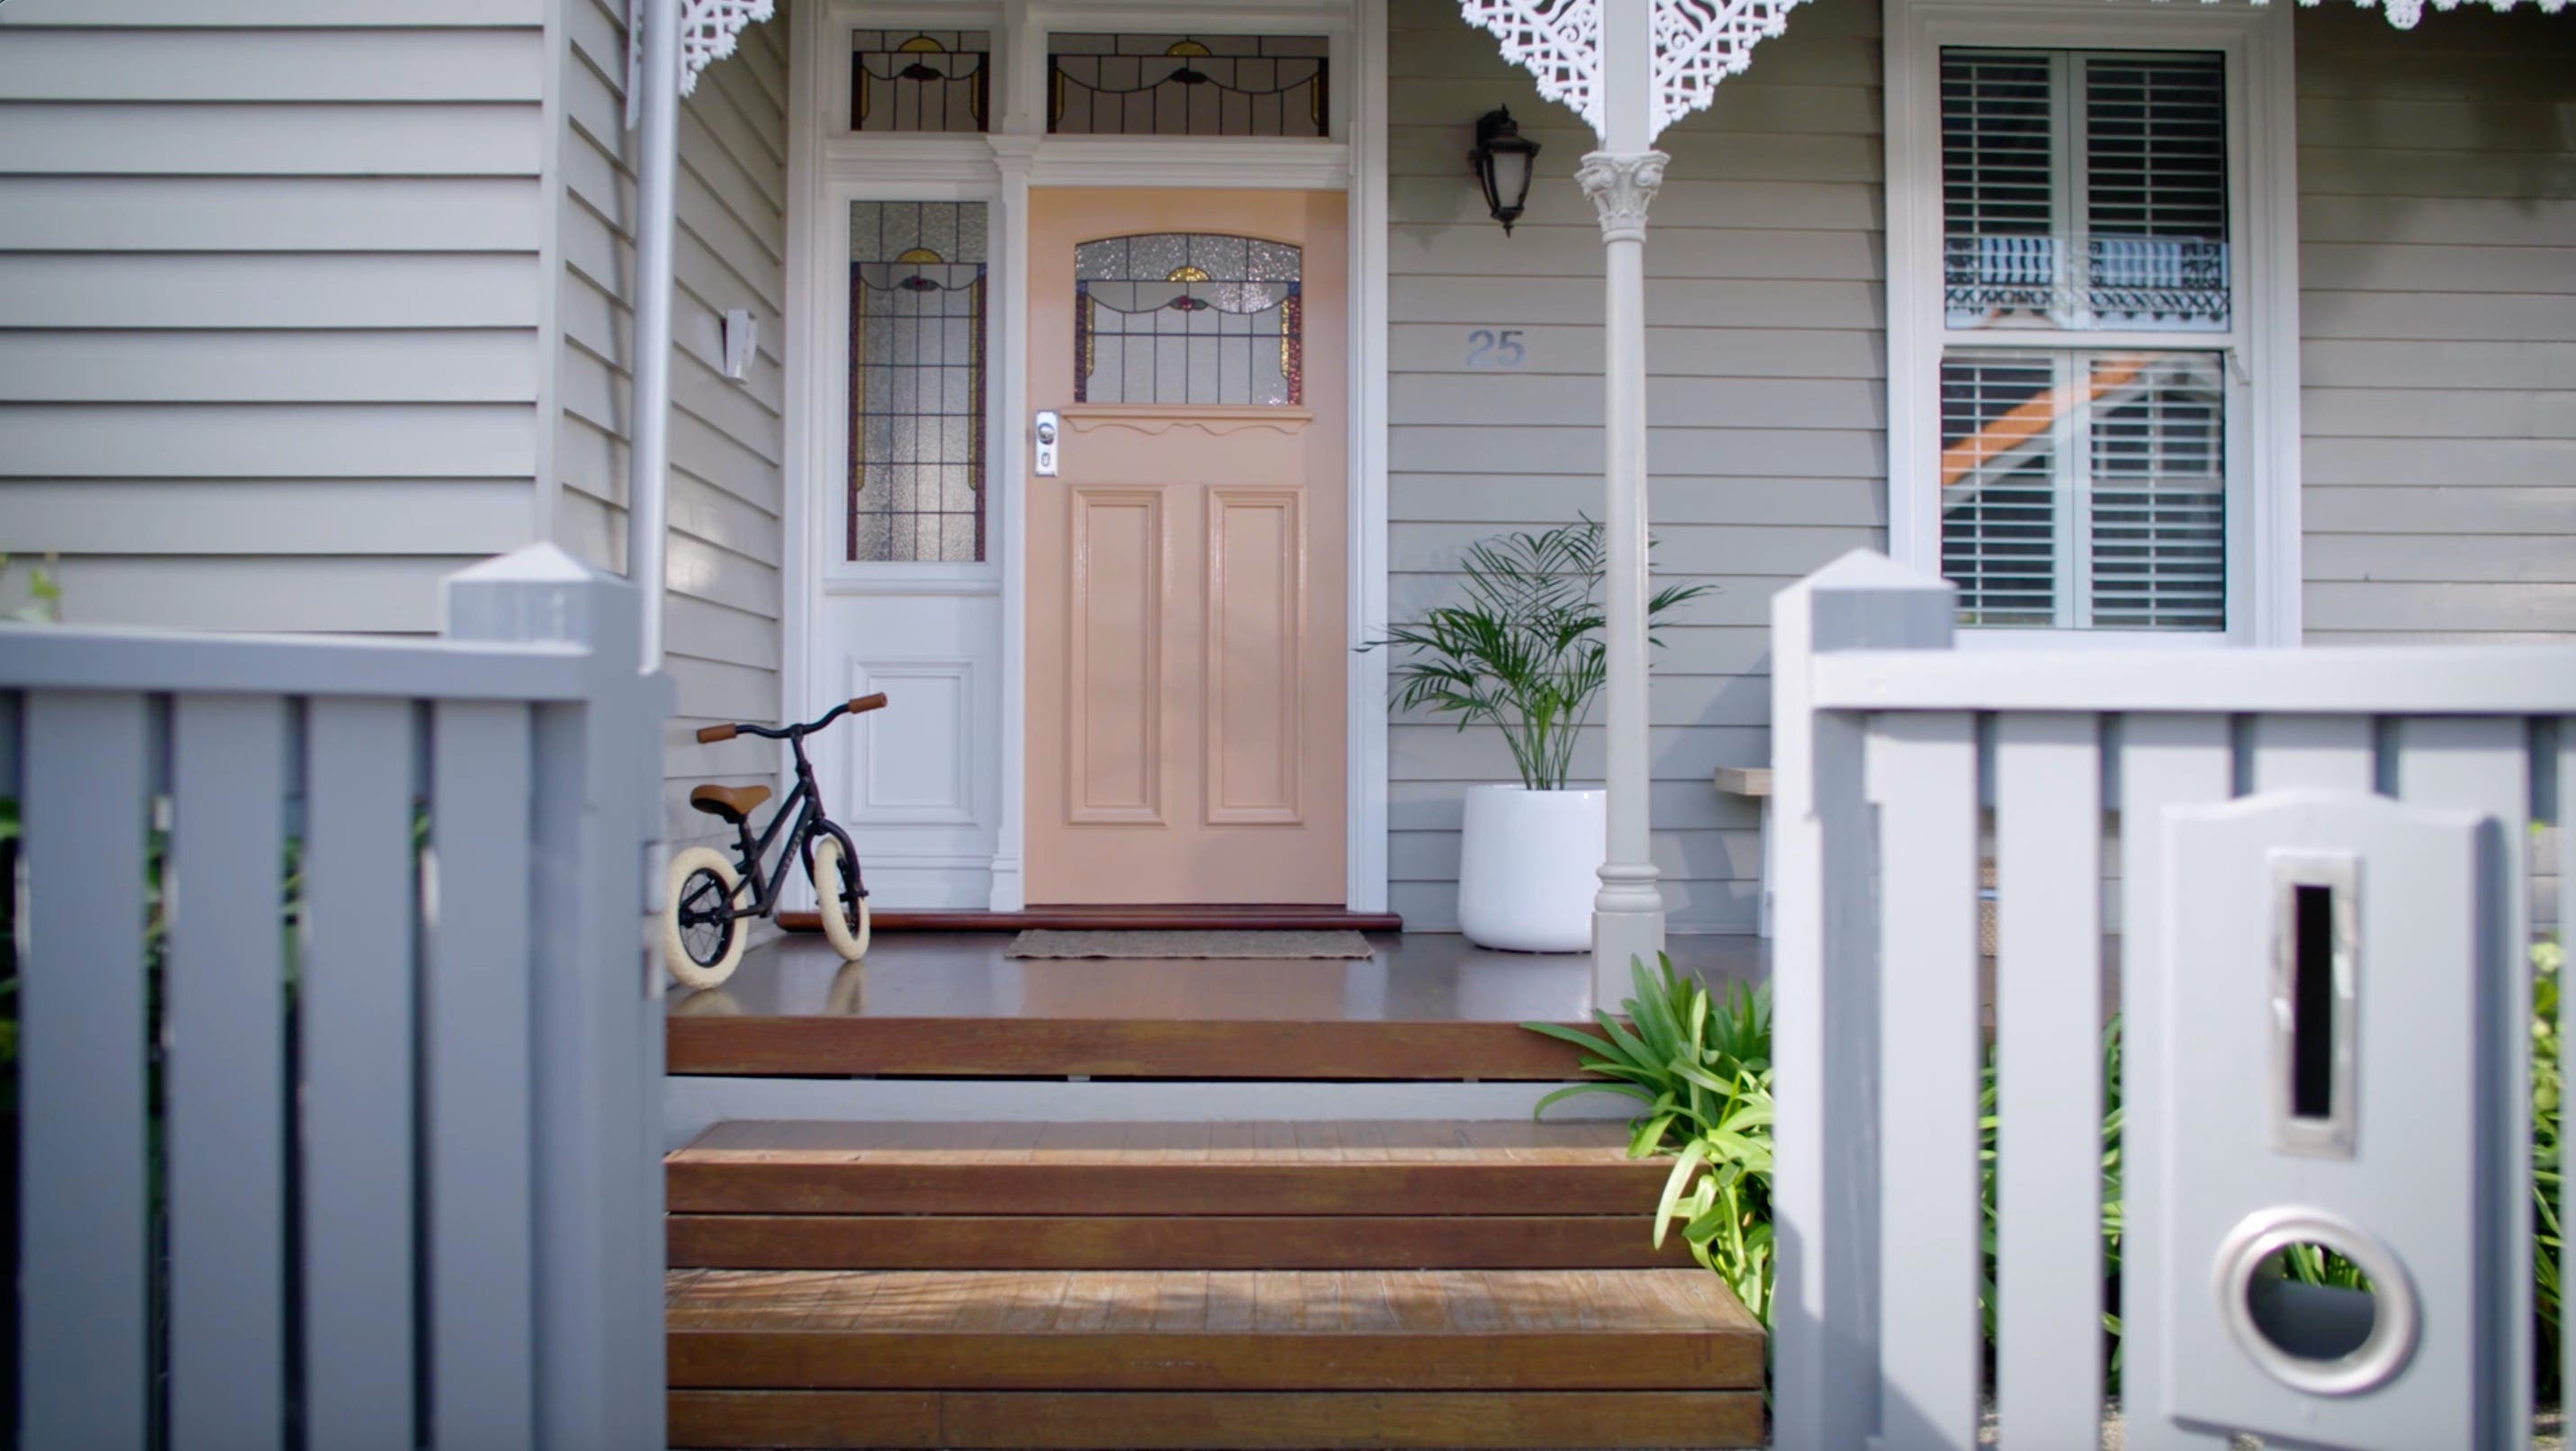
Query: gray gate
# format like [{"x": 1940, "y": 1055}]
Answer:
[
  {"x": 340, "y": 1084},
  {"x": 2317, "y": 864}
]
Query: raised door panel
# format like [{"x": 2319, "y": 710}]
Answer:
[
  {"x": 1114, "y": 674},
  {"x": 1255, "y": 643}
]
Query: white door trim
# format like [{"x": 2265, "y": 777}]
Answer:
[{"x": 825, "y": 165}]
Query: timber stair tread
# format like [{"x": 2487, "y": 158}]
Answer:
[
  {"x": 1461, "y": 1168},
  {"x": 1196, "y": 1421},
  {"x": 1171, "y": 1330},
  {"x": 1183, "y": 1287},
  {"x": 1311, "y": 1047}
]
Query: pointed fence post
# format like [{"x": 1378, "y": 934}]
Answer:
[
  {"x": 595, "y": 1028},
  {"x": 1825, "y": 1025},
  {"x": 1621, "y": 178}
]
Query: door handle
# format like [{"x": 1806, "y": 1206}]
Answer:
[{"x": 1046, "y": 435}]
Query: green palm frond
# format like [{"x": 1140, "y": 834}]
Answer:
[{"x": 1523, "y": 652}]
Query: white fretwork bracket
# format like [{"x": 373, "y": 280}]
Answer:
[
  {"x": 709, "y": 31},
  {"x": 2404, "y": 13},
  {"x": 1699, "y": 43}
]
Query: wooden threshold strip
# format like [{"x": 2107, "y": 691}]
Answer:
[{"x": 1257, "y": 1421}]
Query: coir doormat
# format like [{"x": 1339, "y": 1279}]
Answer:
[{"x": 1052, "y": 944}]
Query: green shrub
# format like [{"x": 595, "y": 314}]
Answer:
[{"x": 1701, "y": 1066}]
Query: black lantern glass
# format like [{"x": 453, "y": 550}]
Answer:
[{"x": 1504, "y": 162}]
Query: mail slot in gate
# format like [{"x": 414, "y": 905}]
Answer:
[{"x": 2337, "y": 992}]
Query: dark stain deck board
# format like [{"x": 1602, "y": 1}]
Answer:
[
  {"x": 1105, "y": 1242},
  {"x": 1375, "y": 1330},
  {"x": 1279, "y": 1049},
  {"x": 1321, "y": 1168},
  {"x": 1107, "y": 1421}
]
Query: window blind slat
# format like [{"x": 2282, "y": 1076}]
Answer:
[{"x": 2155, "y": 200}]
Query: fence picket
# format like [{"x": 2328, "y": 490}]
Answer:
[
  {"x": 2165, "y": 760},
  {"x": 482, "y": 1209},
  {"x": 226, "y": 1080},
  {"x": 2566, "y": 809},
  {"x": 356, "y": 1024},
  {"x": 1922, "y": 771},
  {"x": 2314, "y": 753},
  {"x": 82, "y": 1293},
  {"x": 2484, "y": 765},
  {"x": 2048, "y": 1017}
]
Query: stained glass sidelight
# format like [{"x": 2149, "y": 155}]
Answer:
[
  {"x": 917, "y": 381},
  {"x": 938, "y": 80},
  {"x": 1187, "y": 317},
  {"x": 1182, "y": 85}
]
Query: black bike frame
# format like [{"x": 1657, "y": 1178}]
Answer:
[{"x": 803, "y": 806}]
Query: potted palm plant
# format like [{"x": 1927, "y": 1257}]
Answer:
[{"x": 1523, "y": 653}]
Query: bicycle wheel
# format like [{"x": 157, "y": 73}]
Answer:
[
  {"x": 702, "y": 939},
  {"x": 837, "y": 898}
]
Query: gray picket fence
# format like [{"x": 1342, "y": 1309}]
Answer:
[
  {"x": 339, "y": 1089},
  {"x": 2393, "y": 787}
]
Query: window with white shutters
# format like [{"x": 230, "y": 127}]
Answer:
[
  {"x": 2085, "y": 489},
  {"x": 2089, "y": 308}
]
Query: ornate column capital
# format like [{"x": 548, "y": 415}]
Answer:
[{"x": 1621, "y": 184}]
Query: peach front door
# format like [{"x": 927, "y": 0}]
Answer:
[{"x": 1185, "y": 641}]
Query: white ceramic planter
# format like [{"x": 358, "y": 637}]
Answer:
[{"x": 1529, "y": 863}]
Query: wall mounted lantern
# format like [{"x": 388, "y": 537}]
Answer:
[{"x": 1504, "y": 162}]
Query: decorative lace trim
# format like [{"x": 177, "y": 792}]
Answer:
[
  {"x": 1699, "y": 43},
  {"x": 1557, "y": 41},
  {"x": 2404, "y": 13},
  {"x": 709, "y": 31}
]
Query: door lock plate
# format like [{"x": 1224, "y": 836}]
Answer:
[{"x": 1047, "y": 430}]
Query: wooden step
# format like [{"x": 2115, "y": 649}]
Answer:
[
  {"x": 1416, "y": 1195},
  {"x": 1282, "y": 1049},
  {"x": 1209, "y": 1330},
  {"x": 1257, "y": 1420},
  {"x": 1199, "y": 1242}
]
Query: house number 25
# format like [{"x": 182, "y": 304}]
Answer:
[{"x": 1487, "y": 348}]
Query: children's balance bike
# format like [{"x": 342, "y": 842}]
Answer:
[{"x": 712, "y": 902}]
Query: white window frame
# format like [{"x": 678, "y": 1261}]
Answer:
[{"x": 2262, "y": 346}]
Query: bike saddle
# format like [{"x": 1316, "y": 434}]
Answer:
[{"x": 733, "y": 803}]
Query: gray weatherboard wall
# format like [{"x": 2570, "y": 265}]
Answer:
[
  {"x": 2437, "y": 265},
  {"x": 2438, "y": 269},
  {"x": 1766, "y": 347},
  {"x": 272, "y": 319},
  {"x": 728, "y": 439}
]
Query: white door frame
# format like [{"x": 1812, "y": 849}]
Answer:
[{"x": 827, "y": 167}]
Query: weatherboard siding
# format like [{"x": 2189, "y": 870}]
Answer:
[
  {"x": 1766, "y": 353},
  {"x": 2437, "y": 306},
  {"x": 270, "y": 303},
  {"x": 728, "y": 439},
  {"x": 2437, "y": 259}
]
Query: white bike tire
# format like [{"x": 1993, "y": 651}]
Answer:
[
  {"x": 675, "y": 956},
  {"x": 850, "y": 939}
]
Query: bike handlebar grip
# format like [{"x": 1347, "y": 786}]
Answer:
[
  {"x": 868, "y": 702},
  {"x": 709, "y": 735}
]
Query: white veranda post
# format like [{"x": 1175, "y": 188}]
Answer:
[
  {"x": 667, "y": 43},
  {"x": 1629, "y": 68}
]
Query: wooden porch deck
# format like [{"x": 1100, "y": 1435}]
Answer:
[{"x": 1429, "y": 1007}]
